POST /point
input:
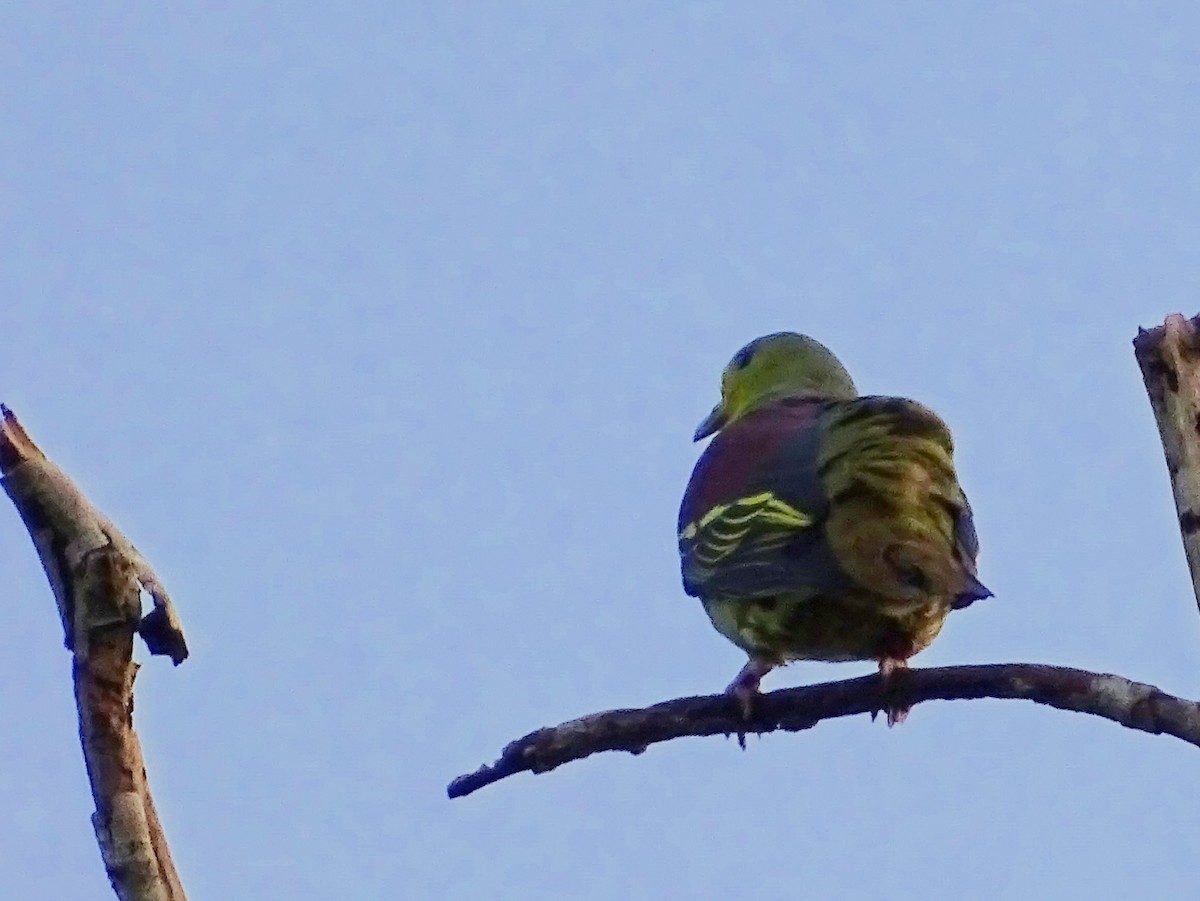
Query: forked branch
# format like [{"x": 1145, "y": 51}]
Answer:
[{"x": 97, "y": 577}]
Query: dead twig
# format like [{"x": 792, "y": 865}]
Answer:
[
  {"x": 97, "y": 577},
  {"x": 1169, "y": 357}
]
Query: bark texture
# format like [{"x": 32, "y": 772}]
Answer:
[
  {"x": 97, "y": 577},
  {"x": 1131, "y": 704},
  {"x": 1169, "y": 357}
]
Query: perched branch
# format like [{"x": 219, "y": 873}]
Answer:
[
  {"x": 97, "y": 577},
  {"x": 1169, "y": 357},
  {"x": 1131, "y": 704}
]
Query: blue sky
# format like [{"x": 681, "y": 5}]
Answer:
[{"x": 383, "y": 329}]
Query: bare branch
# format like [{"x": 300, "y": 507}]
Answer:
[
  {"x": 1169, "y": 357},
  {"x": 97, "y": 577},
  {"x": 1116, "y": 698}
]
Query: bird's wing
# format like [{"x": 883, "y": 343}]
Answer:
[
  {"x": 886, "y": 464},
  {"x": 750, "y": 521}
]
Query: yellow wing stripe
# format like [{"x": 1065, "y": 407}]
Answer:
[{"x": 725, "y": 526}]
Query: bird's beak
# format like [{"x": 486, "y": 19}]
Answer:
[{"x": 712, "y": 422}]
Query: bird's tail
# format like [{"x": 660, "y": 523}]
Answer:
[{"x": 972, "y": 592}]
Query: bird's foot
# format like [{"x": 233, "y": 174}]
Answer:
[
  {"x": 744, "y": 688},
  {"x": 892, "y": 671}
]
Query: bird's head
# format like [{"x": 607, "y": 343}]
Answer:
[{"x": 772, "y": 367}]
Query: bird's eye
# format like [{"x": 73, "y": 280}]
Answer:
[{"x": 741, "y": 359}]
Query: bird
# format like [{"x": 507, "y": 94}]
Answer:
[{"x": 821, "y": 524}]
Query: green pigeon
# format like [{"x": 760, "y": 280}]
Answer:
[{"x": 822, "y": 525}]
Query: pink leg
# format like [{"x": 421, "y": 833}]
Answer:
[
  {"x": 889, "y": 670},
  {"x": 744, "y": 687}
]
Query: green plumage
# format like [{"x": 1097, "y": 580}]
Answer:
[{"x": 819, "y": 524}]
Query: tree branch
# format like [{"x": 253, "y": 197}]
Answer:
[
  {"x": 97, "y": 577},
  {"x": 1169, "y": 357},
  {"x": 1116, "y": 698}
]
